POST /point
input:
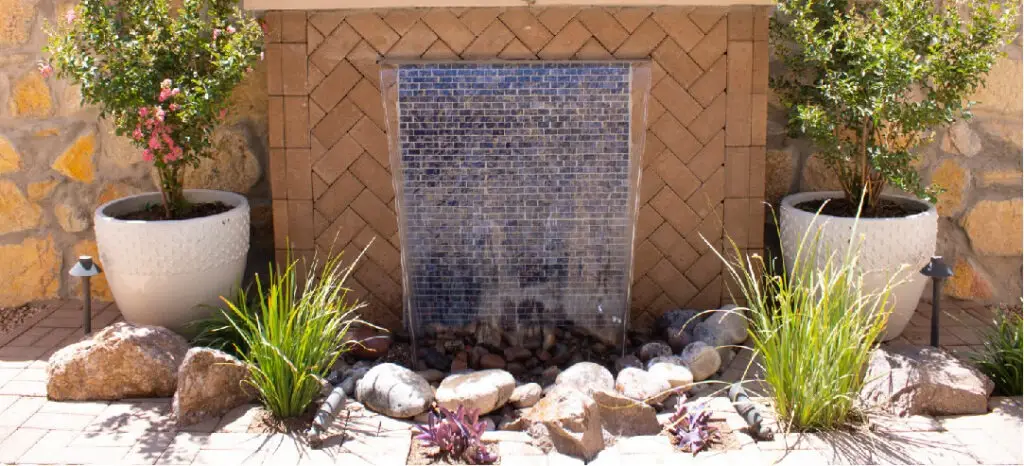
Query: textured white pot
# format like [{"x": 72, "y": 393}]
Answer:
[
  {"x": 167, "y": 273},
  {"x": 888, "y": 244}
]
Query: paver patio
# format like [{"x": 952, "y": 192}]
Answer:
[{"x": 35, "y": 430}]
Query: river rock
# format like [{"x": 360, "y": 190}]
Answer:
[
  {"x": 395, "y": 391},
  {"x": 909, "y": 380},
  {"x": 639, "y": 384},
  {"x": 677, "y": 376},
  {"x": 628, "y": 360},
  {"x": 491, "y": 361},
  {"x": 586, "y": 377},
  {"x": 665, "y": 359},
  {"x": 624, "y": 416},
  {"x": 431, "y": 375},
  {"x": 678, "y": 337},
  {"x": 701, "y": 359},
  {"x": 526, "y": 395},
  {"x": 484, "y": 391},
  {"x": 210, "y": 383},
  {"x": 730, "y": 323},
  {"x": 120, "y": 361},
  {"x": 567, "y": 421},
  {"x": 678, "y": 318},
  {"x": 367, "y": 343},
  {"x": 654, "y": 349}
]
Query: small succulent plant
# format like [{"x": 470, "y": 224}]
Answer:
[
  {"x": 457, "y": 435},
  {"x": 689, "y": 427}
]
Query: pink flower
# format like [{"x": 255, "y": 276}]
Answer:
[
  {"x": 223, "y": 113},
  {"x": 147, "y": 155},
  {"x": 143, "y": 112},
  {"x": 175, "y": 154},
  {"x": 154, "y": 143},
  {"x": 216, "y": 34},
  {"x": 159, "y": 114},
  {"x": 174, "y": 107},
  {"x": 175, "y": 91},
  {"x": 165, "y": 84},
  {"x": 137, "y": 134},
  {"x": 164, "y": 94},
  {"x": 45, "y": 69},
  {"x": 230, "y": 29},
  {"x": 70, "y": 15}
]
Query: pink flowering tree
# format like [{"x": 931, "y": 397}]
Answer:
[{"x": 164, "y": 78}]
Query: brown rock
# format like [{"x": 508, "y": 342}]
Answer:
[
  {"x": 954, "y": 179},
  {"x": 210, "y": 383},
  {"x": 120, "y": 361},
  {"x": 460, "y": 363},
  {"x": 654, "y": 349},
  {"x": 568, "y": 421},
  {"x": 517, "y": 354},
  {"x": 491, "y": 361},
  {"x": 516, "y": 368},
  {"x": 968, "y": 282},
  {"x": 527, "y": 395},
  {"x": 623, "y": 416},
  {"x": 367, "y": 343},
  {"x": 17, "y": 213},
  {"x": 994, "y": 227},
  {"x": 779, "y": 174},
  {"x": 910, "y": 380},
  {"x": 628, "y": 360},
  {"x": 233, "y": 166},
  {"x": 816, "y": 176},
  {"x": 29, "y": 270}
]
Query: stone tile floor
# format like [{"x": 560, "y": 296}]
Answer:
[{"x": 34, "y": 430}]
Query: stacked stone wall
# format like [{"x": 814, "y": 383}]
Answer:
[{"x": 59, "y": 161}]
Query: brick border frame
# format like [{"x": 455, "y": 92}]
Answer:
[{"x": 703, "y": 166}]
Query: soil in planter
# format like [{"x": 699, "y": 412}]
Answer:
[
  {"x": 844, "y": 208},
  {"x": 422, "y": 454},
  {"x": 156, "y": 211}
]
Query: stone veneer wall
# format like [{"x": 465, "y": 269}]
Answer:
[
  {"x": 703, "y": 168},
  {"x": 59, "y": 161},
  {"x": 978, "y": 162}
]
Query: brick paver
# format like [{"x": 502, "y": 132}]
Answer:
[{"x": 34, "y": 430}]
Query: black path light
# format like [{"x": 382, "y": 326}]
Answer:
[
  {"x": 938, "y": 271},
  {"x": 86, "y": 268}
]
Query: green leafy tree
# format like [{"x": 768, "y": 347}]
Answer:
[
  {"x": 868, "y": 81},
  {"x": 163, "y": 78}
]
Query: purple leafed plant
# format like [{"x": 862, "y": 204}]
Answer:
[
  {"x": 689, "y": 427},
  {"x": 457, "y": 435}
]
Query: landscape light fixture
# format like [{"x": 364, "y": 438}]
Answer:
[
  {"x": 86, "y": 268},
  {"x": 938, "y": 271}
]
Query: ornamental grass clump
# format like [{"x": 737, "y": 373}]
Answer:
[
  {"x": 813, "y": 329},
  {"x": 1002, "y": 355},
  {"x": 164, "y": 78},
  {"x": 293, "y": 331}
]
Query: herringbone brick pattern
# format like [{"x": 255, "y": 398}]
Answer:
[{"x": 703, "y": 163}]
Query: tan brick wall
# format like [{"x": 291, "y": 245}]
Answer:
[{"x": 703, "y": 167}]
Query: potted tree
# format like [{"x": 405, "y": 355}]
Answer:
[
  {"x": 867, "y": 82},
  {"x": 163, "y": 78}
]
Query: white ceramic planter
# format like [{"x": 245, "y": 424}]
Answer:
[
  {"x": 167, "y": 273},
  {"x": 888, "y": 244}
]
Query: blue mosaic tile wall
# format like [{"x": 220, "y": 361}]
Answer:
[{"x": 515, "y": 183}]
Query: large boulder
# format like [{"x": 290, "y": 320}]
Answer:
[
  {"x": 567, "y": 421},
  {"x": 120, "y": 361},
  {"x": 640, "y": 385},
  {"x": 394, "y": 390},
  {"x": 624, "y": 416},
  {"x": 586, "y": 377},
  {"x": 210, "y": 383},
  {"x": 910, "y": 380},
  {"x": 485, "y": 390},
  {"x": 701, "y": 359}
]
